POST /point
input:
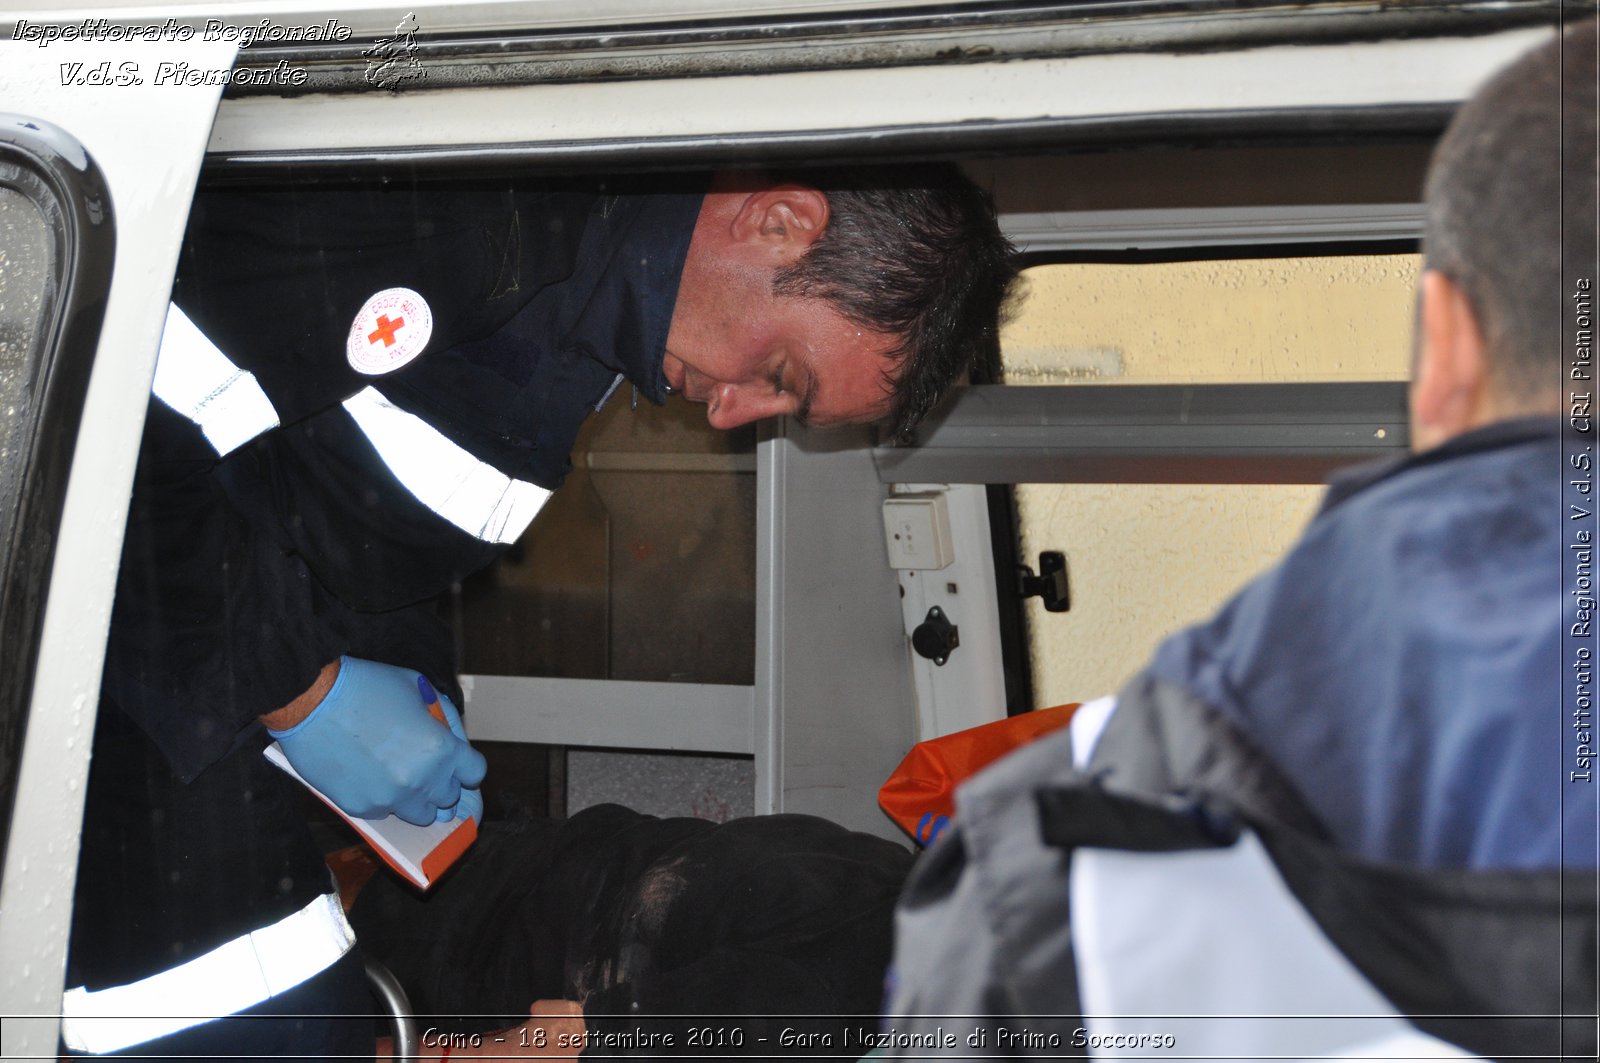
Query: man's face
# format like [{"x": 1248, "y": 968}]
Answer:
[
  {"x": 748, "y": 353},
  {"x": 786, "y": 356}
]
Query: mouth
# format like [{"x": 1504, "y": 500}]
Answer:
[{"x": 676, "y": 373}]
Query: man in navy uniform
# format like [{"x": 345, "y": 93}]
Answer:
[{"x": 366, "y": 391}]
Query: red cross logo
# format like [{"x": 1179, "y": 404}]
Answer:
[
  {"x": 386, "y": 330},
  {"x": 391, "y": 328}
]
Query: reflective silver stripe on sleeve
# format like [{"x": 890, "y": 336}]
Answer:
[
  {"x": 195, "y": 378},
  {"x": 476, "y": 497}
]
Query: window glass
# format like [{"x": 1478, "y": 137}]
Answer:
[
  {"x": 25, "y": 259},
  {"x": 642, "y": 567},
  {"x": 1147, "y": 559},
  {"x": 1214, "y": 321},
  {"x": 27, "y": 293}
]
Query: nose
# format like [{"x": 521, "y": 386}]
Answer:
[{"x": 732, "y": 405}]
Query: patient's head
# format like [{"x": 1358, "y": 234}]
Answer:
[{"x": 1510, "y": 195}]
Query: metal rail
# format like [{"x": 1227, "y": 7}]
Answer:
[{"x": 1197, "y": 433}]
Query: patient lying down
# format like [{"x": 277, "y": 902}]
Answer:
[{"x": 642, "y": 936}]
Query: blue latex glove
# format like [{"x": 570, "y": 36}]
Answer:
[
  {"x": 373, "y": 747},
  {"x": 471, "y": 804}
]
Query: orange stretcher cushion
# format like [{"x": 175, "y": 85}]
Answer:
[{"x": 920, "y": 795}]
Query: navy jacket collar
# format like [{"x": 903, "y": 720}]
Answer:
[
  {"x": 1343, "y": 483},
  {"x": 634, "y": 248}
]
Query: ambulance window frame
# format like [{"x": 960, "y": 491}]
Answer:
[{"x": 52, "y": 171}]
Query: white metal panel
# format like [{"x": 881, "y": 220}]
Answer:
[
  {"x": 692, "y": 717},
  {"x": 970, "y": 688},
  {"x": 1126, "y": 85},
  {"x": 835, "y": 710},
  {"x": 772, "y": 493},
  {"x": 151, "y": 190},
  {"x": 1119, "y": 230}
]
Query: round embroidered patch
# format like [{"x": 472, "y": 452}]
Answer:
[{"x": 392, "y": 328}]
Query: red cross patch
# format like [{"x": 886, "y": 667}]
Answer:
[{"x": 392, "y": 328}]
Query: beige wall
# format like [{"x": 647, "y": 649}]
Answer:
[{"x": 1145, "y": 559}]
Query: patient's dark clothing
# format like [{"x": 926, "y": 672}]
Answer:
[{"x": 784, "y": 921}]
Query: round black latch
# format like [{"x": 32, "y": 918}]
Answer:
[{"x": 936, "y": 637}]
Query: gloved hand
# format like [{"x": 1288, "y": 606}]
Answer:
[
  {"x": 471, "y": 804},
  {"x": 373, "y": 748}
]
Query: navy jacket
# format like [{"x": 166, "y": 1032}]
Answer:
[
  {"x": 247, "y": 570},
  {"x": 1403, "y": 663},
  {"x": 257, "y": 554}
]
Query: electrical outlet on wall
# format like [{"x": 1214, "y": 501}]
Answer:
[{"x": 917, "y": 530}]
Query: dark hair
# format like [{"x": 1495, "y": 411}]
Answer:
[
  {"x": 913, "y": 252},
  {"x": 1496, "y": 224}
]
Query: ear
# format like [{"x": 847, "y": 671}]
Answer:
[
  {"x": 783, "y": 220},
  {"x": 1449, "y": 380}
]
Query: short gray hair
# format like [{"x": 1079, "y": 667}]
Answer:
[{"x": 1498, "y": 224}]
